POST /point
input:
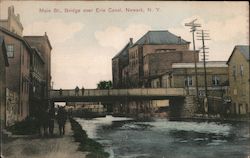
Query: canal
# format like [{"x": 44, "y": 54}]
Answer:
[{"x": 161, "y": 138}]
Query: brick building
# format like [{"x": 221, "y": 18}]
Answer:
[
  {"x": 43, "y": 46},
  {"x": 3, "y": 63},
  {"x": 119, "y": 62},
  {"x": 37, "y": 86},
  {"x": 156, "y": 64},
  {"x": 29, "y": 74},
  {"x": 18, "y": 72},
  {"x": 239, "y": 78},
  {"x": 152, "y": 55}
]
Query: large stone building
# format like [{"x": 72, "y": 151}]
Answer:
[
  {"x": 3, "y": 63},
  {"x": 239, "y": 78},
  {"x": 151, "y": 56}
]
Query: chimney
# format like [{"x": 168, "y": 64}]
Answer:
[
  {"x": 11, "y": 10},
  {"x": 18, "y": 17},
  {"x": 179, "y": 39},
  {"x": 130, "y": 41}
]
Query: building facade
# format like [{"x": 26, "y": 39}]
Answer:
[
  {"x": 119, "y": 62},
  {"x": 37, "y": 86},
  {"x": 239, "y": 70},
  {"x": 18, "y": 72},
  {"x": 3, "y": 63},
  {"x": 183, "y": 74},
  {"x": 43, "y": 48},
  {"x": 152, "y": 55}
]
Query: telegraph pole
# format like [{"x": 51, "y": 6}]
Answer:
[
  {"x": 204, "y": 35},
  {"x": 193, "y": 27}
]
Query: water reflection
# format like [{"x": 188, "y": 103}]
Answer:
[{"x": 125, "y": 137}]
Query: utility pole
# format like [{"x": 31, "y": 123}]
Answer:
[
  {"x": 204, "y": 35},
  {"x": 193, "y": 27}
]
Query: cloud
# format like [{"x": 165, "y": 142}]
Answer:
[
  {"x": 57, "y": 30},
  {"x": 84, "y": 66},
  {"x": 224, "y": 34},
  {"x": 117, "y": 37}
]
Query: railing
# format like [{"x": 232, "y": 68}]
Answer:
[{"x": 119, "y": 92}]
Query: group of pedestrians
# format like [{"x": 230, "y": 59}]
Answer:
[{"x": 48, "y": 117}]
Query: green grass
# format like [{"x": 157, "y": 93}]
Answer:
[{"x": 86, "y": 144}]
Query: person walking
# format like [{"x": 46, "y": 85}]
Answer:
[
  {"x": 82, "y": 91},
  {"x": 77, "y": 91},
  {"x": 51, "y": 120},
  {"x": 61, "y": 119}
]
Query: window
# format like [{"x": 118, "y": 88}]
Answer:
[
  {"x": 188, "y": 81},
  {"x": 241, "y": 70},
  {"x": 215, "y": 80},
  {"x": 10, "y": 50}
]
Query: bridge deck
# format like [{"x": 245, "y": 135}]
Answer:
[{"x": 71, "y": 94}]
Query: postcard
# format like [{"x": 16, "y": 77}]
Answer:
[{"x": 116, "y": 79}]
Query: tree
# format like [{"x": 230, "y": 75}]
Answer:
[{"x": 104, "y": 85}]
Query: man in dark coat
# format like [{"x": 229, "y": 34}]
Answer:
[
  {"x": 51, "y": 120},
  {"x": 61, "y": 119}
]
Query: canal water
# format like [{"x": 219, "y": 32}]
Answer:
[{"x": 161, "y": 138}]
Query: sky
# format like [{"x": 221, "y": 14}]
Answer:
[{"x": 86, "y": 35}]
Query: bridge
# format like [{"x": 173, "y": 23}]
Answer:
[{"x": 93, "y": 95}]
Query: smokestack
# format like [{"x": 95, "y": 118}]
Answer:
[
  {"x": 179, "y": 40},
  {"x": 18, "y": 17},
  {"x": 130, "y": 41}
]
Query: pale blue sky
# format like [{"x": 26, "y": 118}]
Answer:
[{"x": 84, "y": 43}]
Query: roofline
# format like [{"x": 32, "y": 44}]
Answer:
[
  {"x": 196, "y": 51},
  {"x": 17, "y": 37},
  {"x": 233, "y": 53},
  {"x": 187, "y": 42},
  {"x": 47, "y": 39},
  {"x": 36, "y": 51},
  {"x": 118, "y": 54}
]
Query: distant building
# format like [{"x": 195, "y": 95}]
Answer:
[
  {"x": 18, "y": 72},
  {"x": 119, "y": 62},
  {"x": 142, "y": 60},
  {"x": 239, "y": 78},
  {"x": 155, "y": 64},
  {"x": 183, "y": 74},
  {"x": 13, "y": 23},
  {"x": 3, "y": 63},
  {"x": 43, "y": 48},
  {"x": 152, "y": 55}
]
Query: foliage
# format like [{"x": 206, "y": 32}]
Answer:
[
  {"x": 105, "y": 85},
  {"x": 28, "y": 126},
  {"x": 87, "y": 144}
]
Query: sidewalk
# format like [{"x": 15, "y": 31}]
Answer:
[{"x": 44, "y": 147}]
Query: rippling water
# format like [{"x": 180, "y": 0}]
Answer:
[{"x": 126, "y": 138}]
